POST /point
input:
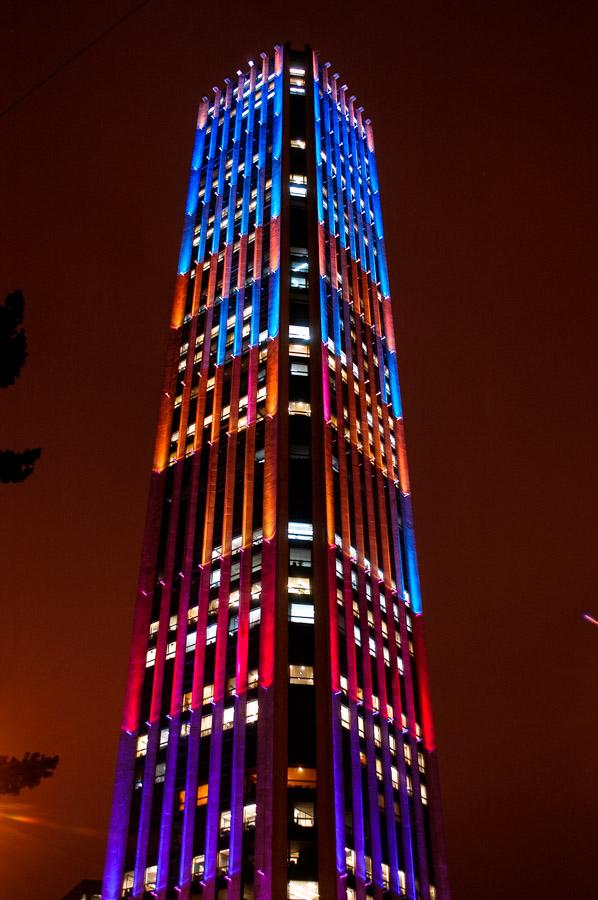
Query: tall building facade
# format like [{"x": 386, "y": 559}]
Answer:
[{"x": 277, "y": 737}]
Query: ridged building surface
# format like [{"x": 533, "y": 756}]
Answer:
[{"x": 277, "y": 737}]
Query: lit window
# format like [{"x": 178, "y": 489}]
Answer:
[
  {"x": 252, "y": 711},
  {"x": 197, "y": 866},
  {"x": 385, "y": 874},
  {"x": 211, "y": 634},
  {"x": 223, "y": 861},
  {"x": 171, "y": 650},
  {"x": 142, "y": 745},
  {"x": 295, "y": 190},
  {"x": 301, "y": 531},
  {"x": 252, "y": 679},
  {"x": 228, "y": 718},
  {"x": 206, "y": 725},
  {"x": 128, "y": 881},
  {"x": 299, "y": 282},
  {"x": 187, "y": 700},
  {"x": 302, "y": 613},
  {"x": 163, "y": 737},
  {"x": 151, "y": 873},
  {"x": 299, "y": 585},
  {"x": 160, "y": 772},
  {"x": 225, "y": 822},
  {"x": 153, "y": 629},
  {"x": 298, "y": 368},
  {"x": 303, "y": 890},
  {"x": 300, "y": 556},
  {"x": 208, "y": 693},
  {"x": 303, "y": 814},
  {"x": 297, "y": 776},
  {"x": 299, "y": 408},
  {"x": 249, "y": 814},
  {"x": 190, "y": 641},
  {"x": 298, "y": 144},
  {"x": 301, "y": 674},
  {"x": 299, "y": 332},
  {"x": 350, "y": 859},
  {"x": 345, "y": 716},
  {"x": 151, "y": 657},
  {"x": 192, "y": 614},
  {"x": 298, "y": 350},
  {"x": 185, "y": 729}
]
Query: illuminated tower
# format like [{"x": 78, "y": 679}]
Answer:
[{"x": 277, "y": 737}]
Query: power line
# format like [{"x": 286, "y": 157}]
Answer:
[{"x": 72, "y": 58}]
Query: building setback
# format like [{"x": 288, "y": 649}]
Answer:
[{"x": 277, "y": 736}]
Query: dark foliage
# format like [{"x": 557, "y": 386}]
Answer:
[
  {"x": 16, "y": 774},
  {"x": 13, "y": 343},
  {"x": 14, "y": 466}
]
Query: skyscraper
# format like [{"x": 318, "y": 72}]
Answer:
[{"x": 277, "y": 738}]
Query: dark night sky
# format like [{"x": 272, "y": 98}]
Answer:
[{"x": 483, "y": 117}]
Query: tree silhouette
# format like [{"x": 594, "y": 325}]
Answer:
[
  {"x": 16, "y": 774},
  {"x": 14, "y": 466}
]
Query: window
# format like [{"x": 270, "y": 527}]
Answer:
[
  {"x": 228, "y": 717},
  {"x": 301, "y": 531},
  {"x": 299, "y": 777},
  {"x": 153, "y": 629},
  {"x": 197, "y": 865},
  {"x": 163, "y": 737},
  {"x": 299, "y": 332},
  {"x": 303, "y": 814},
  {"x": 190, "y": 641},
  {"x": 300, "y": 556},
  {"x": 225, "y": 822},
  {"x": 151, "y": 657},
  {"x": 142, "y": 745},
  {"x": 299, "y": 585},
  {"x": 301, "y": 674},
  {"x": 160, "y": 772},
  {"x": 208, "y": 693},
  {"x": 302, "y": 613},
  {"x": 299, "y": 368},
  {"x": 206, "y": 725},
  {"x": 350, "y": 859},
  {"x": 171, "y": 650},
  {"x": 298, "y": 186},
  {"x": 187, "y": 700},
  {"x": 223, "y": 861},
  {"x": 151, "y": 873},
  {"x": 252, "y": 711},
  {"x": 303, "y": 890},
  {"x": 249, "y": 814}
]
